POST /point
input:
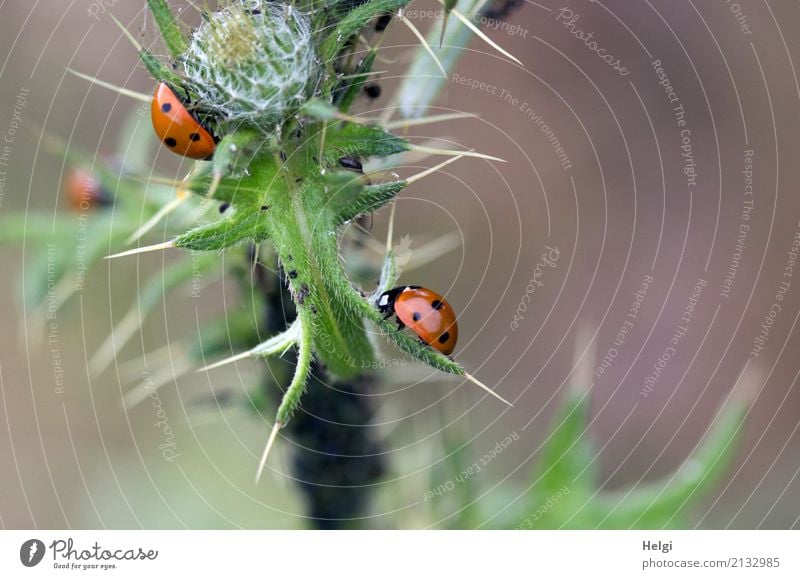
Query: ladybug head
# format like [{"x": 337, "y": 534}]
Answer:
[{"x": 386, "y": 300}]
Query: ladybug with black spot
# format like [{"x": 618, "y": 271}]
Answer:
[
  {"x": 84, "y": 191},
  {"x": 180, "y": 130},
  {"x": 425, "y": 313}
]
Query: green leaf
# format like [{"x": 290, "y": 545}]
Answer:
[
  {"x": 352, "y": 140},
  {"x": 343, "y": 188},
  {"x": 236, "y": 151},
  {"x": 170, "y": 30},
  {"x": 293, "y": 394},
  {"x": 238, "y": 228},
  {"x": 371, "y": 198}
]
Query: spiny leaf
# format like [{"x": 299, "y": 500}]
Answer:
[
  {"x": 243, "y": 175},
  {"x": 348, "y": 139},
  {"x": 371, "y": 198},
  {"x": 344, "y": 188},
  {"x": 239, "y": 227},
  {"x": 275, "y": 345},
  {"x": 291, "y": 398},
  {"x": 168, "y": 26},
  {"x": 411, "y": 346}
]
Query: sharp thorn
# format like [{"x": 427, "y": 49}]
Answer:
[
  {"x": 485, "y": 387},
  {"x": 146, "y": 249},
  {"x": 272, "y": 436}
]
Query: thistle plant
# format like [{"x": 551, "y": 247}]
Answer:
[{"x": 276, "y": 82}]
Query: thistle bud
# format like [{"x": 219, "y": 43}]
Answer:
[{"x": 252, "y": 62}]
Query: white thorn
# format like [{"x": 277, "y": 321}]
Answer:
[
  {"x": 427, "y": 172},
  {"x": 229, "y": 360},
  {"x": 267, "y": 448},
  {"x": 118, "y": 89},
  {"x": 424, "y": 42},
  {"x": 160, "y": 214},
  {"x": 485, "y": 387},
  {"x": 434, "y": 151},
  {"x": 485, "y": 38},
  {"x": 403, "y": 123},
  {"x": 360, "y": 74},
  {"x": 146, "y": 249},
  {"x": 390, "y": 230},
  {"x": 127, "y": 33}
]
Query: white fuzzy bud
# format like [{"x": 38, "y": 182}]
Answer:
[{"x": 252, "y": 62}]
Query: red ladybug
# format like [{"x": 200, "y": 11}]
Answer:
[
  {"x": 83, "y": 190},
  {"x": 180, "y": 130},
  {"x": 425, "y": 312}
]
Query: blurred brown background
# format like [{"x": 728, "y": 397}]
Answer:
[{"x": 621, "y": 211}]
